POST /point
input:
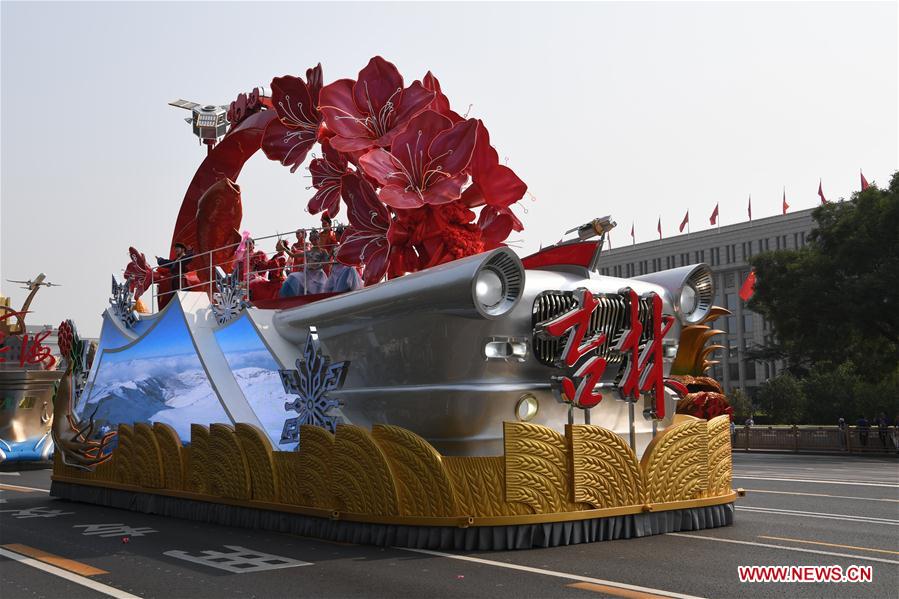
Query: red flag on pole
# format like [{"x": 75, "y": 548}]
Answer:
[
  {"x": 684, "y": 222},
  {"x": 714, "y": 218},
  {"x": 633, "y": 239},
  {"x": 864, "y": 181},
  {"x": 747, "y": 290},
  {"x": 821, "y": 192},
  {"x": 660, "y": 227},
  {"x": 785, "y": 206},
  {"x": 749, "y": 210}
]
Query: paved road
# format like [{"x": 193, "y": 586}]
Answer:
[{"x": 799, "y": 510}]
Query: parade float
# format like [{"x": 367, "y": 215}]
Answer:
[
  {"x": 463, "y": 397},
  {"x": 28, "y": 376}
]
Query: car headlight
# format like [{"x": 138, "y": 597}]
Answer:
[
  {"x": 489, "y": 288},
  {"x": 688, "y": 299},
  {"x": 695, "y": 298},
  {"x": 498, "y": 285}
]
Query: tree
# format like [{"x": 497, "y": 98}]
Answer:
[
  {"x": 741, "y": 404},
  {"x": 837, "y": 299},
  {"x": 783, "y": 399}
]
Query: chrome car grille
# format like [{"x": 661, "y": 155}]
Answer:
[{"x": 611, "y": 317}]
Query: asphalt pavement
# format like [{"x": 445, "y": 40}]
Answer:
[{"x": 798, "y": 511}]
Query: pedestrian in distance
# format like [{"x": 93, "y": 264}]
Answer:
[
  {"x": 883, "y": 427},
  {"x": 842, "y": 425},
  {"x": 863, "y": 429}
]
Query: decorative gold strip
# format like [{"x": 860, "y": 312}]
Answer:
[{"x": 454, "y": 521}]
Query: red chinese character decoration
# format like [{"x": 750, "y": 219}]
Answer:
[
  {"x": 587, "y": 393},
  {"x": 32, "y": 350},
  {"x": 643, "y": 373}
]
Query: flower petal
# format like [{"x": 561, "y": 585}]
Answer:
[
  {"x": 397, "y": 196},
  {"x": 292, "y": 102},
  {"x": 314, "y": 82},
  {"x": 326, "y": 199},
  {"x": 379, "y": 83},
  {"x": 364, "y": 210},
  {"x": 339, "y": 110},
  {"x": 414, "y": 101},
  {"x": 288, "y": 146},
  {"x": 351, "y": 144},
  {"x": 411, "y": 145},
  {"x": 452, "y": 149},
  {"x": 375, "y": 261},
  {"x": 440, "y": 103},
  {"x": 381, "y": 165},
  {"x": 501, "y": 186},
  {"x": 449, "y": 189}
]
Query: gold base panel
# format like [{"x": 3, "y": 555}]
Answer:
[{"x": 390, "y": 475}]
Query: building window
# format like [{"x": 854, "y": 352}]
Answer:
[
  {"x": 604, "y": 272},
  {"x": 747, "y": 322},
  {"x": 766, "y": 244},
  {"x": 727, "y": 253},
  {"x": 734, "y": 371},
  {"x": 802, "y": 237},
  {"x": 777, "y": 239},
  {"x": 749, "y": 369},
  {"x": 796, "y": 241},
  {"x": 744, "y": 251},
  {"x": 730, "y": 280}
]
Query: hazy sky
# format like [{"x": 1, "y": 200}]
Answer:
[{"x": 640, "y": 110}]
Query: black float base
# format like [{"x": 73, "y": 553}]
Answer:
[{"x": 476, "y": 538}]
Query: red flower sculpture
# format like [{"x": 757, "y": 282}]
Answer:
[
  {"x": 290, "y": 138},
  {"x": 425, "y": 163},
  {"x": 408, "y": 204},
  {"x": 327, "y": 173},
  {"x": 138, "y": 273},
  {"x": 365, "y": 240},
  {"x": 372, "y": 110}
]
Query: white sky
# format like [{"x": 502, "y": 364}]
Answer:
[{"x": 640, "y": 110}]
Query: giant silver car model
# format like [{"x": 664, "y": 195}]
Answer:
[{"x": 452, "y": 352}]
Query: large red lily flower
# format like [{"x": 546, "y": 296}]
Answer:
[
  {"x": 289, "y": 138},
  {"x": 425, "y": 164},
  {"x": 371, "y": 111},
  {"x": 492, "y": 183},
  {"x": 365, "y": 240},
  {"x": 327, "y": 172}
]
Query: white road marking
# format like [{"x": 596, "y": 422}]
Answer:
[
  {"x": 114, "y": 530},
  {"x": 10, "y": 474},
  {"x": 488, "y": 562},
  {"x": 771, "y": 546},
  {"x": 821, "y": 495},
  {"x": 70, "y": 576},
  {"x": 36, "y": 512},
  {"x": 826, "y": 482},
  {"x": 801, "y": 514},
  {"x": 240, "y": 561}
]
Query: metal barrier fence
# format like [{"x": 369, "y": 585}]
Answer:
[
  {"x": 852, "y": 439},
  {"x": 267, "y": 244}
]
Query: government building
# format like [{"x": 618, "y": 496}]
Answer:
[{"x": 727, "y": 251}]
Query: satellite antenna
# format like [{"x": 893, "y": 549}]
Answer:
[{"x": 209, "y": 122}]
